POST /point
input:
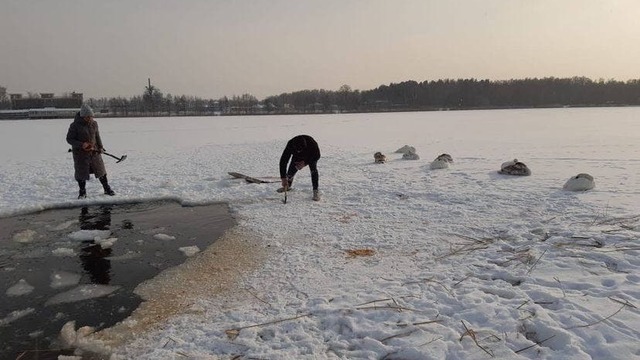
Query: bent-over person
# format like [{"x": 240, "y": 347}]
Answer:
[{"x": 302, "y": 150}]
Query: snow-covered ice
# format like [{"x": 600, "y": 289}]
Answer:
[{"x": 397, "y": 261}]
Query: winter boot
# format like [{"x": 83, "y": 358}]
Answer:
[
  {"x": 105, "y": 185},
  {"x": 316, "y": 195},
  {"x": 82, "y": 194}
]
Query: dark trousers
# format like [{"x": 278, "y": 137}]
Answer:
[
  {"x": 313, "y": 167},
  {"x": 82, "y": 184}
]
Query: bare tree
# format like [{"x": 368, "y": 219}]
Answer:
[
  {"x": 152, "y": 98},
  {"x": 4, "y": 99}
]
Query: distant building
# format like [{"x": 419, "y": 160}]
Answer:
[
  {"x": 46, "y": 100},
  {"x": 46, "y": 106}
]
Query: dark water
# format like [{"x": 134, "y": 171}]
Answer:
[{"x": 135, "y": 257}]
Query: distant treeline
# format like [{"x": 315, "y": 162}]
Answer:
[
  {"x": 405, "y": 96},
  {"x": 466, "y": 94}
]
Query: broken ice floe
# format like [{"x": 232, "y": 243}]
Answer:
[
  {"x": 63, "y": 252},
  {"x": 163, "y": 237},
  {"x": 24, "y": 236},
  {"x": 82, "y": 292},
  {"x": 61, "y": 279},
  {"x": 190, "y": 250},
  {"x": 106, "y": 243},
  {"x": 15, "y": 315},
  {"x": 88, "y": 235},
  {"x": 22, "y": 287}
]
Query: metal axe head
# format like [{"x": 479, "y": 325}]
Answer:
[{"x": 121, "y": 158}]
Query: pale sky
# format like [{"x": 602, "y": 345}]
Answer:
[{"x": 212, "y": 48}]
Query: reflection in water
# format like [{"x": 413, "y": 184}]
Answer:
[
  {"x": 93, "y": 256},
  {"x": 100, "y": 220}
]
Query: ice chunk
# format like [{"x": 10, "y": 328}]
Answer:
[
  {"x": 22, "y": 287},
  {"x": 63, "y": 279},
  {"x": 82, "y": 292},
  {"x": 63, "y": 252},
  {"x": 67, "y": 334},
  {"x": 87, "y": 235},
  {"x": 15, "y": 315},
  {"x": 190, "y": 250},
  {"x": 69, "y": 357},
  {"x": 128, "y": 256},
  {"x": 106, "y": 243},
  {"x": 25, "y": 236},
  {"x": 65, "y": 225},
  {"x": 70, "y": 338},
  {"x": 36, "y": 334},
  {"x": 163, "y": 237}
]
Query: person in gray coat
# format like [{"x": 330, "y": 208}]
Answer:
[{"x": 86, "y": 146}]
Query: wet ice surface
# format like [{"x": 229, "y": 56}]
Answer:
[{"x": 83, "y": 264}]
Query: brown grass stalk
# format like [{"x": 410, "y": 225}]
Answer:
[
  {"x": 537, "y": 343},
  {"x": 599, "y": 321},
  {"x": 233, "y": 333},
  {"x": 536, "y": 263},
  {"x": 472, "y": 335}
]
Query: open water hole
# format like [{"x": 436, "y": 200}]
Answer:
[{"x": 83, "y": 264}]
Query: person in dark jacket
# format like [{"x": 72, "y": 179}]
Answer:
[
  {"x": 86, "y": 146},
  {"x": 302, "y": 150}
]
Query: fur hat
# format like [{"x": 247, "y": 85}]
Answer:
[{"x": 86, "y": 110}]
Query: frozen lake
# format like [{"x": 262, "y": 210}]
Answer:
[{"x": 171, "y": 156}]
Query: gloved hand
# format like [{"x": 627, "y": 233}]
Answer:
[
  {"x": 87, "y": 146},
  {"x": 285, "y": 183}
]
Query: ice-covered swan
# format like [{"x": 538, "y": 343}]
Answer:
[
  {"x": 441, "y": 162},
  {"x": 410, "y": 155},
  {"x": 514, "y": 167},
  {"x": 405, "y": 149},
  {"x": 580, "y": 182}
]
